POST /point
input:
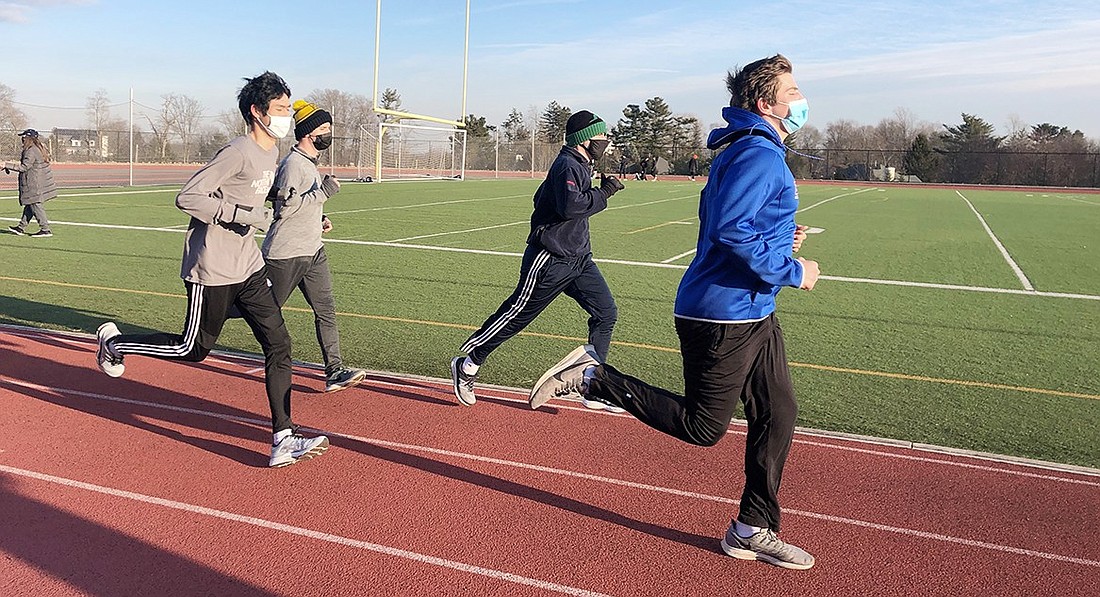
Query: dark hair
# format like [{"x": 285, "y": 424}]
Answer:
[
  {"x": 259, "y": 91},
  {"x": 759, "y": 80}
]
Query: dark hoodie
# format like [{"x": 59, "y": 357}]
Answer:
[{"x": 563, "y": 204}]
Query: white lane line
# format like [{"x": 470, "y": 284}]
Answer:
[
  {"x": 678, "y": 257},
  {"x": 1089, "y": 297},
  {"x": 1004, "y": 252},
  {"x": 654, "y": 227},
  {"x": 397, "y": 240},
  {"x": 660, "y": 265},
  {"x": 303, "y": 532},
  {"x": 632, "y": 205},
  {"x": 824, "y": 201},
  {"x": 586, "y": 476},
  {"x": 433, "y": 203}
]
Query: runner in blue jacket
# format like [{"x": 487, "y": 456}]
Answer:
[{"x": 730, "y": 339}]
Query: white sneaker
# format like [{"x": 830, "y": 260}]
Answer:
[
  {"x": 766, "y": 547},
  {"x": 564, "y": 378},
  {"x": 600, "y": 405},
  {"x": 295, "y": 447},
  {"x": 108, "y": 361}
]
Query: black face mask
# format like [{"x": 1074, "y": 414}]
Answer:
[
  {"x": 596, "y": 148},
  {"x": 322, "y": 142}
]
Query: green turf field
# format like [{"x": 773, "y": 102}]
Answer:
[{"x": 956, "y": 364}]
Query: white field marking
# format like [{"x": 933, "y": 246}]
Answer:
[
  {"x": 647, "y": 228},
  {"x": 254, "y": 371},
  {"x": 824, "y": 201},
  {"x": 397, "y": 240},
  {"x": 1090, "y": 297},
  {"x": 1004, "y": 252},
  {"x": 677, "y": 257},
  {"x": 661, "y": 265},
  {"x": 303, "y": 532},
  {"x": 416, "y": 205},
  {"x": 651, "y": 202},
  {"x": 243, "y": 360},
  {"x": 178, "y": 226},
  {"x": 812, "y": 230},
  {"x": 170, "y": 189},
  {"x": 499, "y": 462}
]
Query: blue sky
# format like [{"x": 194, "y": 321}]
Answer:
[{"x": 1004, "y": 60}]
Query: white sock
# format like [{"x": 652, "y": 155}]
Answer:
[
  {"x": 469, "y": 367},
  {"x": 744, "y": 530},
  {"x": 281, "y": 435}
]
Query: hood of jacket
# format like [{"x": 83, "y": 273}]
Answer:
[{"x": 741, "y": 122}]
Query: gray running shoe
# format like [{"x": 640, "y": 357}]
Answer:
[
  {"x": 766, "y": 547},
  {"x": 464, "y": 384},
  {"x": 295, "y": 447},
  {"x": 16, "y": 230},
  {"x": 344, "y": 377},
  {"x": 565, "y": 378},
  {"x": 109, "y": 362}
]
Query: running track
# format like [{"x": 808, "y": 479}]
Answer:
[{"x": 156, "y": 484}]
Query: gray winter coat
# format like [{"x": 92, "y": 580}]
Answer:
[{"x": 35, "y": 178}]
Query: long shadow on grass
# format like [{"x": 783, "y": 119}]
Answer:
[
  {"x": 95, "y": 559},
  {"x": 923, "y": 324},
  {"x": 19, "y": 311},
  {"x": 43, "y": 371},
  {"x": 534, "y": 494}
]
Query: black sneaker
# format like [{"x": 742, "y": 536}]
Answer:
[
  {"x": 344, "y": 377},
  {"x": 16, "y": 230},
  {"x": 42, "y": 234},
  {"x": 463, "y": 384}
]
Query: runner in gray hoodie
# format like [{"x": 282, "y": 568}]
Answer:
[
  {"x": 293, "y": 249},
  {"x": 222, "y": 267}
]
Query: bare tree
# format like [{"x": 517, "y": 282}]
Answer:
[
  {"x": 179, "y": 116},
  {"x": 11, "y": 119},
  {"x": 99, "y": 112},
  {"x": 232, "y": 124}
]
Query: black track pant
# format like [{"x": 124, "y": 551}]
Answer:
[
  {"x": 542, "y": 277},
  {"x": 724, "y": 365},
  {"x": 207, "y": 309}
]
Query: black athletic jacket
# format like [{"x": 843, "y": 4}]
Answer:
[{"x": 563, "y": 204}]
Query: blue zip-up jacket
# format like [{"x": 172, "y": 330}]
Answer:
[
  {"x": 746, "y": 227},
  {"x": 563, "y": 204}
]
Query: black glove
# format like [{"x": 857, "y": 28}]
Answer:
[
  {"x": 258, "y": 217},
  {"x": 610, "y": 185},
  {"x": 329, "y": 185}
]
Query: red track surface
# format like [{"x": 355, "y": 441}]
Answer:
[{"x": 156, "y": 484}]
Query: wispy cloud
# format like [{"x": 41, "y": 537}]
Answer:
[{"x": 19, "y": 12}]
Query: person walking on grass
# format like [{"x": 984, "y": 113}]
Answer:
[
  {"x": 730, "y": 340},
  {"x": 693, "y": 166},
  {"x": 223, "y": 268},
  {"x": 558, "y": 257},
  {"x": 36, "y": 185},
  {"x": 292, "y": 248}
]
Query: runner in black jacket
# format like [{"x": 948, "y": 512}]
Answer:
[{"x": 558, "y": 257}]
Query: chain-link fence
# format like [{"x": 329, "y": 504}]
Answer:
[{"x": 491, "y": 157}]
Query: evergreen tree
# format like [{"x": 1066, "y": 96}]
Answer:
[
  {"x": 922, "y": 160},
  {"x": 476, "y": 127},
  {"x": 552, "y": 123},
  {"x": 971, "y": 151}
]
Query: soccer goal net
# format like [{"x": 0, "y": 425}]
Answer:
[{"x": 398, "y": 151}]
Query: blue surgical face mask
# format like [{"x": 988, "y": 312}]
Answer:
[{"x": 798, "y": 113}]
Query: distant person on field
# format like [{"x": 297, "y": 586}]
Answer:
[
  {"x": 730, "y": 340},
  {"x": 36, "y": 185},
  {"x": 558, "y": 258},
  {"x": 293, "y": 250},
  {"x": 223, "y": 268},
  {"x": 693, "y": 166},
  {"x": 653, "y": 166},
  {"x": 623, "y": 163},
  {"x": 643, "y": 168}
]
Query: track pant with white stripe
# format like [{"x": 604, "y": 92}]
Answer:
[
  {"x": 207, "y": 309},
  {"x": 542, "y": 277}
]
